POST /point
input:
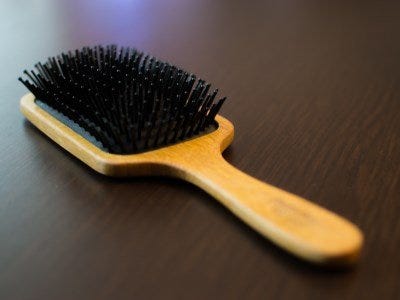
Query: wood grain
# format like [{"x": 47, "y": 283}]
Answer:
[
  {"x": 295, "y": 224},
  {"x": 313, "y": 89}
]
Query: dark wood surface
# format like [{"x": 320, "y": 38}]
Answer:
[{"x": 314, "y": 93}]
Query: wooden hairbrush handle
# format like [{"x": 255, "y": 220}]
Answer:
[{"x": 295, "y": 224}]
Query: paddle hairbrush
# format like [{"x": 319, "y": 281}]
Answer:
[{"x": 124, "y": 113}]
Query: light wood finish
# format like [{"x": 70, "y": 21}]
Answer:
[{"x": 302, "y": 228}]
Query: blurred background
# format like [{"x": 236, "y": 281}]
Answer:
[{"x": 313, "y": 91}]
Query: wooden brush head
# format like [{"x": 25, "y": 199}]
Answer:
[{"x": 153, "y": 162}]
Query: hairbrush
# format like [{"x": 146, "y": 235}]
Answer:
[{"x": 125, "y": 113}]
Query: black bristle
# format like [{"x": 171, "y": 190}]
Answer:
[{"x": 129, "y": 101}]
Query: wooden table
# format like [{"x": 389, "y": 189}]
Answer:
[{"x": 313, "y": 89}]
